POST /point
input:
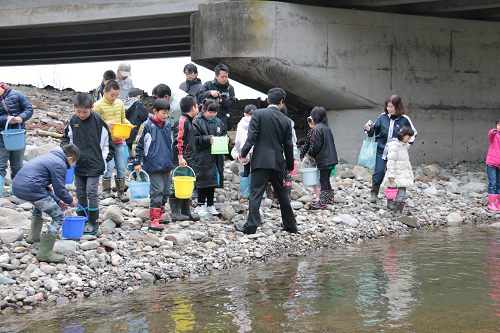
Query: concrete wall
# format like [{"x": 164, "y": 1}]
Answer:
[{"x": 446, "y": 70}]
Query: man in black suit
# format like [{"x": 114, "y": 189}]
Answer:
[{"x": 269, "y": 132}]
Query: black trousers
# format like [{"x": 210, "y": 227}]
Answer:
[{"x": 260, "y": 178}]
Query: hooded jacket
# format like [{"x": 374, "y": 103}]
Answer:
[
  {"x": 493, "y": 157},
  {"x": 154, "y": 144},
  {"x": 184, "y": 142},
  {"x": 191, "y": 87},
  {"x": 111, "y": 111},
  {"x": 32, "y": 181},
  {"x": 209, "y": 168},
  {"x": 398, "y": 164},
  {"x": 323, "y": 146},
  {"x": 241, "y": 134},
  {"x": 13, "y": 103},
  {"x": 93, "y": 138},
  {"x": 226, "y": 102},
  {"x": 175, "y": 105},
  {"x": 136, "y": 114}
]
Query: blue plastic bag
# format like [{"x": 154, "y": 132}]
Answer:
[{"x": 368, "y": 153}]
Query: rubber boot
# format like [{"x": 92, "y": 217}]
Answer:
[
  {"x": 321, "y": 204},
  {"x": 120, "y": 188},
  {"x": 106, "y": 187},
  {"x": 331, "y": 198},
  {"x": 374, "y": 193},
  {"x": 2, "y": 183},
  {"x": 162, "y": 220},
  {"x": 175, "y": 210},
  {"x": 36, "y": 229},
  {"x": 45, "y": 252},
  {"x": 390, "y": 204},
  {"x": 80, "y": 212},
  {"x": 245, "y": 189},
  {"x": 186, "y": 210},
  {"x": 154, "y": 218},
  {"x": 92, "y": 225},
  {"x": 397, "y": 207},
  {"x": 497, "y": 201},
  {"x": 492, "y": 199}
]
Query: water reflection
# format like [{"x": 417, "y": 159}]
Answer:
[{"x": 492, "y": 264}]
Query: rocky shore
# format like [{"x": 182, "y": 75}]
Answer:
[{"x": 125, "y": 255}]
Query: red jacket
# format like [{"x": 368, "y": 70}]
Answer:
[{"x": 493, "y": 157}]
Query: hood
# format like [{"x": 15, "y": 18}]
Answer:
[
  {"x": 8, "y": 88},
  {"x": 129, "y": 102},
  {"x": 395, "y": 141},
  {"x": 244, "y": 122},
  {"x": 195, "y": 81}
]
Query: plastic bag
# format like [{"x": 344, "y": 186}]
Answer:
[
  {"x": 368, "y": 153},
  {"x": 220, "y": 145}
]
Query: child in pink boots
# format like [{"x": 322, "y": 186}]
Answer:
[{"x": 493, "y": 168}]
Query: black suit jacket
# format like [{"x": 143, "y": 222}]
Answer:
[{"x": 270, "y": 133}]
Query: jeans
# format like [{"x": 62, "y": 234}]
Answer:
[
  {"x": 16, "y": 161},
  {"x": 50, "y": 207},
  {"x": 493, "y": 179},
  {"x": 118, "y": 160}
]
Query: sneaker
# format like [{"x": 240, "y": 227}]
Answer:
[
  {"x": 200, "y": 209},
  {"x": 212, "y": 210}
]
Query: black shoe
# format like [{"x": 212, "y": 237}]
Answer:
[
  {"x": 241, "y": 228},
  {"x": 292, "y": 231}
]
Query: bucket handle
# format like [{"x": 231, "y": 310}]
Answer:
[
  {"x": 8, "y": 120},
  {"x": 86, "y": 216},
  {"x": 397, "y": 187},
  {"x": 130, "y": 179},
  {"x": 187, "y": 166},
  {"x": 302, "y": 164}
]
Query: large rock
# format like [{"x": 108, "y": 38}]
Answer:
[
  {"x": 11, "y": 235},
  {"x": 91, "y": 245},
  {"x": 46, "y": 148},
  {"x": 13, "y": 218},
  {"x": 227, "y": 212},
  {"x": 296, "y": 204},
  {"x": 349, "y": 220},
  {"x": 347, "y": 174},
  {"x": 143, "y": 214},
  {"x": 431, "y": 171},
  {"x": 178, "y": 239},
  {"x": 66, "y": 246},
  {"x": 453, "y": 188},
  {"x": 151, "y": 240},
  {"x": 454, "y": 219},
  {"x": 115, "y": 214},
  {"x": 474, "y": 188},
  {"x": 30, "y": 153},
  {"x": 147, "y": 277},
  {"x": 266, "y": 203},
  {"x": 431, "y": 191},
  {"x": 4, "y": 280},
  {"x": 362, "y": 172}
]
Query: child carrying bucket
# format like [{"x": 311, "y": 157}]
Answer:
[
  {"x": 241, "y": 137},
  {"x": 303, "y": 151},
  {"x": 399, "y": 173},
  {"x": 324, "y": 152},
  {"x": 87, "y": 130},
  {"x": 154, "y": 144},
  {"x": 209, "y": 168},
  {"x": 33, "y": 185}
]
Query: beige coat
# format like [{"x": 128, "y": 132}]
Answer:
[{"x": 398, "y": 164}]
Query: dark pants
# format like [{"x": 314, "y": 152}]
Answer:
[
  {"x": 260, "y": 178},
  {"x": 379, "y": 173},
  {"x": 206, "y": 194},
  {"x": 16, "y": 161},
  {"x": 324, "y": 179},
  {"x": 159, "y": 190},
  {"x": 87, "y": 191}
]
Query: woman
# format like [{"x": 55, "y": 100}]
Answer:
[{"x": 385, "y": 128}]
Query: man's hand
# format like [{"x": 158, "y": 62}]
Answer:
[
  {"x": 110, "y": 124},
  {"x": 182, "y": 161},
  {"x": 242, "y": 160},
  {"x": 62, "y": 205},
  {"x": 73, "y": 204},
  {"x": 214, "y": 93}
]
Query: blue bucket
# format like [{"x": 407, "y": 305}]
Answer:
[
  {"x": 72, "y": 227},
  {"x": 139, "y": 190},
  {"x": 69, "y": 175},
  {"x": 13, "y": 138}
]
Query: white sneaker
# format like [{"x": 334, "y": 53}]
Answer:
[
  {"x": 212, "y": 210},
  {"x": 201, "y": 209}
]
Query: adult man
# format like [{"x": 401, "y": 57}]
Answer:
[
  {"x": 124, "y": 80},
  {"x": 98, "y": 93},
  {"x": 192, "y": 85},
  {"x": 220, "y": 90},
  {"x": 174, "y": 98},
  {"x": 269, "y": 133}
]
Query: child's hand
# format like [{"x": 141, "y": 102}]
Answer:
[
  {"x": 228, "y": 139},
  {"x": 110, "y": 124},
  {"x": 242, "y": 160},
  {"x": 137, "y": 168},
  {"x": 73, "y": 204},
  {"x": 211, "y": 139},
  {"x": 367, "y": 127},
  {"x": 62, "y": 205},
  {"x": 182, "y": 161}
]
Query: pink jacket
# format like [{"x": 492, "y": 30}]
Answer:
[{"x": 493, "y": 157}]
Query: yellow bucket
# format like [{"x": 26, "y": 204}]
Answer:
[
  {"x": 122, "y": 131},
  {"x": 183, "y": 185}
]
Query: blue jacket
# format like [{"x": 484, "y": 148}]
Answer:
[
  {"x": 385, "y": 128},
  {"x": 154, "y": 144},
  {"x": 17, "y": 106},
  {"x": 32, "y": 181}
]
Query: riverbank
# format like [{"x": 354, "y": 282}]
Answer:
[{"x": 125, "y": 255}]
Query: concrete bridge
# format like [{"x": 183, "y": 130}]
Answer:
[{"x": 348, "y": 58}]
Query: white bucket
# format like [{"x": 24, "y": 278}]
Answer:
[{"x": 309, "y": 175}]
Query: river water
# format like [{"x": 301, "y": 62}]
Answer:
[{"x": 445, "y": 280}]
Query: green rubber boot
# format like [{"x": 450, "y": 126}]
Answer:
[
  {"x": 374, "y": 193},
  {"x": 36, "y": 228},
  {"x": 390, "y": 204},
  {"x": 45, "y": 252}
]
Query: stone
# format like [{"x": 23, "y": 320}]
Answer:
[
  {"x": 178, "y": 239},
  {"x": 151, "y": 240},
  {"x": 62, "y": 301},
  {"x": 306, "y": 198},
  {"x": 91, "y": 245},
  {"x": 339, "y": 198},
  {"x": 131, "y": 225},
  {"x": 474, "y": 188},
  {"x": 38, "y": 297},
  {"x": 239, "y": 208},
  {"x": 143, "y": 214},
  {"x": 430, "y": 192},
  {"x": 266, "y": 203},
  {"x": 66, "y": 246},
  {"x": 431, "y": 171},
  {"x": 294, "y": 194},
  {"x": 116, "y": 260},
  {"x": 11, "y": 235},
  {"x": 13, "y": 218},
  {"x": 227, "y": 212},
  {"x": 4, "y": 258},
  {"x": 362, "y": 172},
  {"x": 454, "y": 219},
  {"x": 110, "y": 245},
  {"x": 4, "y": 280},
  {"x": 50, "y": 284},
  {"x": 197, "y": 235},
  {"x": 115, "y": 214},
  {"x": 30, "y": 153},
  {"x": 296, "y": 205},
  {"x": 47, "y": 148},
  {"x": 210, "y": 245},
  {"x": 147, "y": 277},
  {"x": 347, "y": 219},
  {"x": 346, "y": 174},
  {"x": 107, "y": 201},
  {"x": 20, "y": 296},
  {"x": 48, "y": 269},
  {"x": 108, "y": 224},
  {"x": 453, "y": 188}
]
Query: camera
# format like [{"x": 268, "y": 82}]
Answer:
[{"x": 222, "y": 95}]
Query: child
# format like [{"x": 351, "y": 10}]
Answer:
[
  {"x": 324, "y": 152},
  {"x": 287, "y": 178},
  {"x": 154, "y": 144},
  {"x": 16, "y": 108},
  {"x": 88, "y": 131},
  {"x": 113, "y": 111},
  {"x": 305, "y": 149},
  {"x": 32, "y": 185},
  {"x": 184, "y": 149},
  {"x": 136, "y": 114},
  {"x": 98, "y": 92},
  {"x": 399, "y": 167},
  {"x": 493, "y": 168},
  {"x": 208, "y": 168},
  {"x": 241, "y": 137}
]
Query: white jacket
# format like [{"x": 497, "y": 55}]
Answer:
[
  {"x": 398, "y": 164},
  {"x": 241, "y": 134}
]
